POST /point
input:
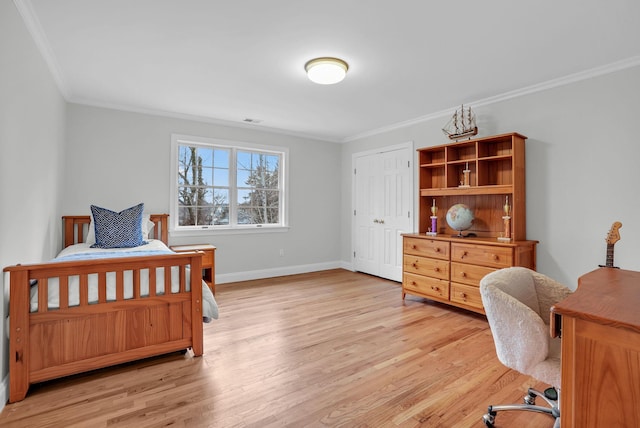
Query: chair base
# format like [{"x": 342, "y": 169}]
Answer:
[{"x": 550, "y": 395}]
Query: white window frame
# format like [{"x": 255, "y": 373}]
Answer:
[{"x": 232, "y": 227}]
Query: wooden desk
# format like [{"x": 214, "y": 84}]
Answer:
[
  {"x": 601, "y": 350},
  {"x": 208, "y": 261}
]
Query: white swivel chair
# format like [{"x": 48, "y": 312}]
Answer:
[{"x": 517, "y": 302}]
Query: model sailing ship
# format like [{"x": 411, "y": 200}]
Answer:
[{"x": 462, "y": 124}]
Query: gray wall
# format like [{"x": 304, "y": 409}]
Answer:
[
  {"x": 583, "y": 168},
  {"x": 32, "y": 123},
  {"x": 122, "y": 158}
]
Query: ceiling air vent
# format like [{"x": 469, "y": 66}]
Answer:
[{"x": 250, "y": 120}]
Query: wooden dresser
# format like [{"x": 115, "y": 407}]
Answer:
[
  {"x": 488, "y": 176},
  {"x": 449, "y": 269},
  {"x": 600, "y": 328}
]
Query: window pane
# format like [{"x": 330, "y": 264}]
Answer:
[
  {"x": 272, "y": 198},
  {"x": 272, "y": 162},
  {"x": 186, "y": 216},
  {"x": 186, "y": 195},
  {"x": 205, "y": 216},
  {"x": 221, "y": 206},
  {"x": 244, "y": 160},
  {"x": 207, "y": 177},
  {"x": 205, "y": 156},
  {"x": 221, "y": 158},
  {"x": 221, "y": 177},
  {"x": 244, "y": 196},
  {"x": 244, "y": 177}
]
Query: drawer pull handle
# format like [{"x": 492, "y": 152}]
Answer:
[
  {"x": 496, "y": 257},
  {"x": 413, "y": 247},
  {"x": 437, "y": 249},
  {"x": 464, "y": 296},
  {"x": 462, "y": 274},
  {"x": 436, "y": 269},
  {"x": 435, "y": 288},
  {"x": 414, "y": 265}
]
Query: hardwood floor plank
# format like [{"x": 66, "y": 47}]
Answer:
[{"x": 326, "y": 349}]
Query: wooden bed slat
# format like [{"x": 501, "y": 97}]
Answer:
[
  {"x": 43, "y": 293},
  {"x": 102, "y": 287},
  {"x": 84, "y": 290},
  {"x": 119, "y": 286},
  {"x": 136, "y": 284},
  {"x": 64, "y": 292},
  {"x": 167, "y": 280},
  {"x": 152, "y": 282}
]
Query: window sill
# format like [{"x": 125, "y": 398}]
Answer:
[{"x": 229, "y": 231}]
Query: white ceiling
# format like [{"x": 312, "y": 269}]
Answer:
[{"x": 409, "y": 59}]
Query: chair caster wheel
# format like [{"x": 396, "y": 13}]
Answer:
[
  {"x": 551, "y": 394},
  {"x": 489, "y": 419}
]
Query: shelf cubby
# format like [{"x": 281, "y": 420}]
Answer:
[
  {"x": 461, "y": 152},
  {"x": 432, "y": 157},
  {"x": 496, "y": 171},
  {"x": 499, "y": 147}
]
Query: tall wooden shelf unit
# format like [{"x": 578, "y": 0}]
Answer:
[{"x": 447, "y": 268}]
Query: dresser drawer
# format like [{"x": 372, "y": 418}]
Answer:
[
  {"x": 425, "y": 286},
  {"x": 485, "y": 255},
  {"x": 466, "y": 294},
  {"x": 426, "y": 248},
  {"x": 468, "y": 274},
  {"x": 434, "y": 268}
]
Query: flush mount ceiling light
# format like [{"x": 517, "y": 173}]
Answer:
[{"x": 326, "y": 71}]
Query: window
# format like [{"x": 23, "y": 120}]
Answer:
[{"x": 224, "y": 185}]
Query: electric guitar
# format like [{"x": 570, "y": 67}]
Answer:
[{"x": 612, "y": 237}]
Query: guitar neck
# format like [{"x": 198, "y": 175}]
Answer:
[{"x": 609, "y": 255}]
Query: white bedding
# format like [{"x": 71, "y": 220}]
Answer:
[{"x": 83, "y": 251}]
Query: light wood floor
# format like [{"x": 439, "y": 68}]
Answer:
[{"x": 333, "y": 348}]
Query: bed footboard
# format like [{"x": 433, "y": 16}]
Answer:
[{"x": 139, "y": 322}]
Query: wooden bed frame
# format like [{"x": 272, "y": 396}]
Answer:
[{"x": 52, "y": 343}]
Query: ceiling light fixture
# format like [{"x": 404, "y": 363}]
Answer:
[{"x": 326, "y": 70}]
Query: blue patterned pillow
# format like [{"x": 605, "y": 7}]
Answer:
[{"x": 118, "y": 230}]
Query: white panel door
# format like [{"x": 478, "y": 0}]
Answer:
[{"x": 383, "y": 211}]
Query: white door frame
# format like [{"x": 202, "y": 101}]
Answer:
[{"x": 354, "y": 156}]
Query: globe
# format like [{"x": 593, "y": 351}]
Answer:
[{"x": 460, "y": 217}]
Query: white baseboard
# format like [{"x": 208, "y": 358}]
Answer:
[
  {"x": 4, "y": 392},
  {"x": 280, "y": 271}
]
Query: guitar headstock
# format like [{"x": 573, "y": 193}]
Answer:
[{"x": 614, "y": 236}]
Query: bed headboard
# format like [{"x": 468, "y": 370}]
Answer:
[{"x": 75, "y": 228}]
